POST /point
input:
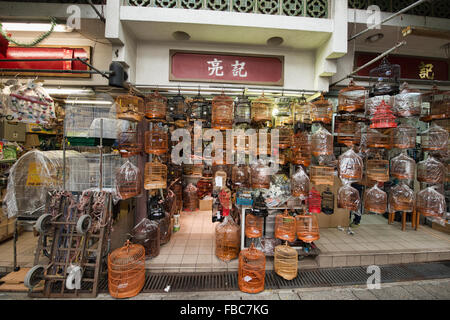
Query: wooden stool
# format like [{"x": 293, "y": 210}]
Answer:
[{"x": 414, "y": 219}]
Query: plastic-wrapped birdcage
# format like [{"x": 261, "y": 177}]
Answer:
[
  {"x": 403, "y": 167},
  {"x": 430, "y": 171},
  {"x": 430, "y": 202},
  {"x": 321, "y": 142},
  {"x": 252, "y": 270},
  {"x": 260, "y": 176},
  {"x": 373, "y": 102},
  {"x": 352, "y": 98},
  {"x": 375, "y": 200},
  {"x": 434, "y": 138},
  {"x": 285, "y": 261},
  {"x": 401, "y": 198},
  {"x": 147, "y": 234},
  {"x": 350, "y": 166},
  {"x": 240, "y": 176},
  {"x": 285, "y": 227},
  {"x": 378, "y": 170},
  {"x": 228, "y": 239},
  {"x": 128, "y": 181},
  {"x": 376, "y": 139},
  {"x": 408, "y": 103},
  {"x": 348, "y": 198},
  {"x": 404, "y": 137},
  {"x": 300, "y": 184}
]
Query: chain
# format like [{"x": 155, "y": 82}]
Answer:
[{"x": 35, "y": 41}]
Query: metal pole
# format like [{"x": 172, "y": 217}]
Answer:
[
  {"x": 40, "y": 60},
  {"x": 101, "y": 155},
  {"x": 55, "y": 71},
  {"x": 103, "y": 73},
  {"x": 102, "y": 18},
  {"x": 415, "y": 4}
]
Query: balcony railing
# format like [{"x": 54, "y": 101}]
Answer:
[{"x": 296, "y": 8}]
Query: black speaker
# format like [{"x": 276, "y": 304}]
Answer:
[{"x": 118, "y": 75}]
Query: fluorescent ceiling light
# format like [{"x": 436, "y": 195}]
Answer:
[
  {"x": 37, "y": 27},
  {"x": 88, "y": 102},
  {"x": 69, "y": 91}
]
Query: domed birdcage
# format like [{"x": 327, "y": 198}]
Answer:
[
  {"x": 352, "y": 98},
  {"x": 403, "y": 167},
  {"x": 348, "y": 130},
  {"x": 283, "y": 112},
  {"x": 377, "y": 169},
  {"x": 126, "y": 271},
  {"x": 262, "y": 109},
  {"x": 376, "y": 139},
  {"x": 430, "y": 171},
  {"x": 384, "y": 79},
  {"x": 222, "y": 112},
  {"x": 130, "y": 107},
  {"x": 302, "y": 113},
  {"x": 401, "y": 198},
  {"x": 155, "y": 107},
  {"x": 155, "y": 176},
  {"x": 435, "y": 138},
  {"x": 322, "y": 111},
  {"x": 260, "y": 176},
  {"x": 300, "y": 184},
  {"x": 285, "y": 261},
  {"x": 350, "y": 166},
  {"x": 128, "y": 181},
  {"x": 430, "y": 203},
  {"x": 199, "y": 109},
  {"x": 156, "y": 141},
  {"x": 408, "y": 103},
  {"x": 253, "y": 225},
  {"x": 307, "y": 227},
  {"x": 228, "y": 239},
  {"x": 242, "y": 110},
  {"x": 348, "y": 198},
  {"x": 252, "y": 270},
  {"x": 314, "y": 201},
  {"x": 375, "y": 200},
  {"x": 285, "y": 227},
  {"x": 301, "y": 149},
  {"x": 321, "y": 142},
  {"x": 404, "y": 137}
]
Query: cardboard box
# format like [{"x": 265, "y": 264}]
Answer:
[
  {"x": 205, "y": 205},
  {"x": 12, "y": 131}
]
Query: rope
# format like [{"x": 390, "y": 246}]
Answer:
[{"x": 35, "y": 41}]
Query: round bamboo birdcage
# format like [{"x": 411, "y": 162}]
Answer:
[
  {"x": 301, "y": 149},
  {"x": 376, "y": 139},
  {"x": 155, "y": 176},
  {"x": 285, "y": 261},
  {"x": 375, "y": 200},
  {"x": 283, "y": 112},
  {"x": 252, "y": 270},
  {"x": 352, "y": 98},
  {"x": 128, "y": 181},
  {"x": 204, "y": 187},
  {"x": 434, "y": 138},
  {"x": 130, "y": 107},
  {"x": 253, "y": 226},
  {"x": 403, "y": 167},
  {"x": 285, "y": 227},
  {"x": 302, "y": 111},
  {"x": 222, "y": 112},
  {"x": 129, "y": 143},
  {"x": 190, "y": 198},
  {"x": 348, "y": 131},
  {"x": 260, "y": 177},
  {"x": 322, "y": 111},
  {"x": 404, "y": 137},
  {"x": 262, "y": 109},
  {"x": 321, "y": 175},
  {"x": 430, "y": 171},
  {"x": 228, "y": 239},
  {"x": 378, "y": 170},
  {"x": 156, "y": 141},
  {"x": 348, "y": 198},
  {"x": 264, "y": 145},
  {"x": 307, "y": 228},
  {"x": 430, "y": 203},
  {"x": 321, "y": 142},
  {"x": 401, "y": 198},
  {"x": 284, "y": 137},
  {"x": 126, "y": 271},
  {"x": 300, "y": 184},
  {"x": 155, "y": 107}
]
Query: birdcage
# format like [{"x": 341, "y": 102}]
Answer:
[
  {"x": 376, "y": 139},
  {"x": 130, "y": 107},
  {"x": 401, "y": 198},
  {"x": 264, "y": 143},
  {"x": 241, "y": 143},
  {"x": 259, "y": 208},
  {"x": 147, "y": 234},
  {"x": 128, "y": 181},
  {"x": 352, "y": 98},
  {"x": 375, "y": 200},
  {"x": 177, "y": 108},
  {"x": 220, "y": 180},
  {"x": 225, "y": 198},
  {"x": 321, "y": 142},
  {"x": 302, "y": 112},
  {"x": 129, "y": 143},
  {"x": 434, "y": 138},
  {"x": 327, "y": 205},
  {"x": 204, "y": 187},
  {"x": 222, "y": 112},
  {"x": 262, "y": 109},
  {"x": 177, "y": 189},
  {"x": 155, "y": 207},
  {"x": 430, "y": 203},
  {"x": 300, "y": 184},
  {"x": 253, "y": 226},
  {"x": 383, "y": 117},
  {"x": 408, "y": 103},
  {"x": 322, "y": 111},
  {"x": 156, "y": 141},
  {"x": 384, "y": 79},
  {"x": 199, "y": 109},
  {"x": 321, "y": 175},
  {"x": 348, "y": 198},
  {"x": 285, "y": 227},
  {"x": 314, "y": 201},
  {"x": 283, "y": 112},
  {"x": 155, "y": 107},
  {"x": 439, "y": 101},
  {"x": 155, "y": 176},
  {"x": 252, "y": 270},
  {"x": 165, "y": 230},
  {"x": 307, "y": 227},
  {"x": 284, "y": 137},
  {"x": 373, "y": 102},
  {"x": 285, "y": 261},
  {"x": 242, "y": 110},
  {"x": 301, "y": 149},
  {"x": 260, "y": 176},
  {"x": 403, "y": 167},
  {"x": 348, "y": 131},
  {"x": 430, "y": 171},
  {"x": 378, "y": 170},
  {"x": 404, "y": 137},
  {"x": 228, "y": 239},
  {"x": 350, "y": 166},
  {"x": 190, "y": 198},
  {"x": 126, "y": 271},
  {"x": 240, "y": 176}
]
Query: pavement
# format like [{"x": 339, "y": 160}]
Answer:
[{"x": 412, "y": 290}]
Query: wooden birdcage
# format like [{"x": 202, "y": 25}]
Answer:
[
  {"x": 321, "y": 175},
  {"x": 401, "y": 198},
  {"x": 285, "y": 227},
  {"x": 321, "y": 142},
  {"x": 434, "y": 138},
  {"x": 439, "y": 101},
  {"x": 348, "y": 131},
  {"x": 283, "y": 112},
  {"x": 129, "y": 143},
  {"x": 430, "y": 203},
  {"x": 177, "y": 108},
  {"x": 264, "y": 145},
  {"x": 252, "y": 270},
  {"x": 408, "y": 103},
  {"x": 375, "y": 200},
  {"x": 285, "y": 261},
  {"x": 300, "y": 184},
  {"x": 284, "y": 137},
  {"x": 387, "y": 76},
  {"x": 155, "y": 176},
  {"x": 204, "y": 187},
  {"x": 260, "y": 177},
  {"x": 348, "y": 198},
  {"x": 199, "y": 109},
  {"x": 302, "y": 111},
  {"x": 350, "y": 166},
  {"x": 404, "y": 137},
  {"x": 156, "y": 141},
  {"x": 378, "y": 170},
  {"x": 240, "y": 176},
  {"x": 128, "y": 181},
  {"x": 222, "y": 112},
  {"x": 253, "y": 226},
  {"x": 314, "y": 201},
  {"x": 228, "y": 239},
  {"x": 147, "y": 234},
  {"x": 262, "y": 109},
  {"x": 430, "y": 171},
  {"x": 322, "y": 111},
  {"x": 130, "y": 107},
  {"x": 352, "y": 98},
  {"x": 242, "y": 110},
  {"x": 301, "y": 149},
  {"x": 376, "y": 139},
  {"x": 190, "y": 198},
  {"x": 155, "y": 107},
  {"x": 383, "y": 117},
  {"x": 403, "y": 167},
  {"x": 307, "y": 227},
  {"x": 241, "y": 143}
]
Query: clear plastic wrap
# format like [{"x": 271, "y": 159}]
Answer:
[
  {"x": 430, "y": 202},
  {"x": 321, "y": 142},
  {"x": 373, "y": 102},
  {"x": 430, "y": 171},
  {"x": 240, "y": 176},
  {"x": 190, "y": 198},
  {"x": 348, "y": 198},
  {"x": 128, "y": 181},
  {"x": 285, "y": 227},
  {"x": 260, "y": 176},
  {"x": 252, "y": 270},
  {"x": 300, "y": 184},
  {"x": 375, "y": 200},
  {"x": 350, "y": 166},
  {"x": 228, "y": 239},
  {"x": 434, "y": 138},
  {"x": 376, "y": 139},
  {"x": 285, "y": 261},
  {"x": 147, "y": 234},
  {"x": 401, "y": 198},
  {"x": 403, "y": 167},
  {"x": 408, "y": 103},
  {"x": 404, "y": 137}
]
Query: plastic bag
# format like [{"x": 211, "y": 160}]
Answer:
[
  {"x": 228, "y": 239},
  {"x": 373, "y": 102},
  {"x": 375, "y": 200},
  {"x": 401, "y": 198},
  {"x": 430, "y": 171},
  {"x": 408, "y": 102},
  {"x": 404, "y": 137},
  {"x": 147, "y": 234},
  {"x": 322, "y": 142},
  {"x": 430, "y": 202},
  {"x": 348, "y": 198},
  {"x": 403, "y": 167},
  {"x": 434, "y": 138},
  {"x": 128, "y": 181},
  {"x": 350, "y": 166},
  {"x": 300, "y": 184}
]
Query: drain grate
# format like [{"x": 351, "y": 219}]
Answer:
[{"x": 227, "y": 281}]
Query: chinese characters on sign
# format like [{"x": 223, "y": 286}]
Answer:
[
  {"x": 426, "y": 71},
  {"x": 216, "y": 68}
]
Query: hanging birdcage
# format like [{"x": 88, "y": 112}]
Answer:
[
  {"x": 302, "y": 112},
  {"x": 285, "y": 227},
  {"x": 155, "y": 107},
  {"x": 252, "y": 270},
  {"x": 259, "y": 208},
  {"x": 403, "y": 167},
  {"x": 378, "y": 170},
  {"x": 384, "y": 79},
  {"x": 283, "y": 112},
  {"x": 307, "y": 227},
  {"x": 130, "y": 107},
  {"x": 348, "y": 198},
  {"x": 228, "y": 239},
  {"x": 348, "y": 131},
  {"x": 241, "y": 143},
  {"x": 301, "y": 149},
  {"x": 130, "y": 143},
  {"x": 264, "y": 145},
  {"x": 155, "y": 176},
  {"x": 146, "y": 233},
  {"x": 284, "y": 137},
  {"x": 126, "y": 271},
  {"x": 253, "y": 226},
  {"x": 352, "y": 98},
  {"x": 321, "y": 175},
  {"x": 350, "y": 166},
  {"x": 408, "y": 103},
  {"x": 375, "y": 200},
  {"x": 300, "y": 184},
  {"x": 430, "y": 203},
  {"x": 260, "y": 176},
  {"x": 222, "y": 112},
  {"x": 156, "y": 141},
  {"x": 321, "y": 142},
  {"x": 383, "y": 117},
  {"x": 262, "y": 109},
  {"x": 200, "y": 109},
  {"x": 314, "y": 201},
  {"x": 242, "y": 110},
  {"x": 327, "y": 205},
  {"x": 285, "y": 261},
  {"x": 434, "y": 138},
  {"x": 376, "y": 139},
  {"x": 128, "y": 181},
  {"x": 439, "y": 101},
  {"x": 190, "y": 198},
  {"x": 240, "y": 176},
  {"x": 430, "y": 171},
  {"x": 401, "y": 198},
  {"x": 322, "y": 111},
  {"x": 404, "y": 137},
  {"x": 177, "y": 108},
  {"x": 220, "y": 180}
]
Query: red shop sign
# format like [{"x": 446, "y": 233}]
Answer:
[
  {"x": 226, "y": 68},
  {"x": 410, "y": 67}
]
